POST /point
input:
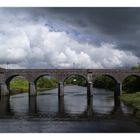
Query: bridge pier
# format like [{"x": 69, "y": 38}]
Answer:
[
  {"x": 89, "y": 89},
  {"x": 60, "y": 89},
  {"x": 90, "y": 106},
  {"x": 61, "y": 108},
  {"x": 33, "y": 105},
  {"x": 4, "y": 106},
  {"x": 32, "y": 89},
  {"x": 118, "y": 89},
  {"x": 3, "y": 89},
  {"x": 116, "y": 101}
]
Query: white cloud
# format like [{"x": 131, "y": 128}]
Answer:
[{"x": 32, "y": 45}]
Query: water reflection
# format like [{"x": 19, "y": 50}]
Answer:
[
  {"x": 75, "y": 99},
  {"x": 5, "y": 106},
  {"x": 89, "y": 109},
  {"x": 117, "y": 102},
  {"x": 61, "y": 106},
  {"x": 74, "y": 103},
  {"x": 103, "y": 103},
  {"x": 75, "y": 112},
  {"x": 33, "y": 109}
]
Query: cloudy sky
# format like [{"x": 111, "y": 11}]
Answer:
[{"x": 69, "y": 37}]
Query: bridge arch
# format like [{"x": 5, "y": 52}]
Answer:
[
  {"x": 9, "y": 79},
  {"x": 75, "y": 79},
  {"x": 70, "y": 75},
  {"x": 105, "y": 81},
  {"x": 106, "y": 75},
  {"x": 48, "y": 81},
  {"x": 36, "y": 78},
  {"x": 134, "y": 75},
  {"x": 131, "y": 83}
]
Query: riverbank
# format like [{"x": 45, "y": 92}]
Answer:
[
  {"x": 20, "y": 90},
  {"x": 20, "y": 85},
  {"x": 132, "y": 100}
]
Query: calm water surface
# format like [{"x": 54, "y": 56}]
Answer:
[{"x": 72, "y": 113}]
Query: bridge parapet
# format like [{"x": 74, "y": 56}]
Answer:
[{"x": 61, "y": 74}]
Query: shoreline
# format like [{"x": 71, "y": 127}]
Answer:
[
  {"x": 132, "y": 100},
  {"x": 17, "y": 91}
]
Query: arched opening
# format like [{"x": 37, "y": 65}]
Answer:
[
  {"x": 17, "y": 84},
  {"x": 131, "y": 84},
  {"x": 75, "y": 80},
  {"x": 103, "y": 92},
  {"x": 18, "y": 87},
  {"x": 47, "y": 90},
  {"x": 45, "y": 83},
  {"x": 105, "y": 82},
  {"x": 131, "y": 93},
  {"x": 75, "y": 90}
]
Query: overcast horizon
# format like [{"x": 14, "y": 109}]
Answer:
[{"x": 69, "y": 37}]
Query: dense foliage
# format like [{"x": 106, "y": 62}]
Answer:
[
  {"x": 76, "y": 80},
  {"x": 104, "y": 82},
  {"x": 132, "y": 100},
  {"x": 131, "y": 84},
  {"x": 45, "y": 82},
  {"x": 21, "y": 84}
]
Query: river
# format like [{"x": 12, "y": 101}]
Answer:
[{"x": 74, "y": 113}]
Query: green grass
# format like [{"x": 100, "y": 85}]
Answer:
[
  {"x": 133, "y": 100},
  {"x": 19, "y": 84}
]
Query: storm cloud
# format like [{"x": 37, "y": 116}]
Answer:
[{"x": 69, "y": 37}]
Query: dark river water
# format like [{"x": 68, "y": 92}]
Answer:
[{"x": 72, "y": 113}]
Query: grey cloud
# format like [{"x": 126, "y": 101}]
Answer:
[
  {"x": 120, "y": 25},
  {"x": 55, "y": 37}
]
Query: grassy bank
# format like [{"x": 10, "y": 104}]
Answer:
[
  {"x": 21, "y": 86},
  {"x": 132, "y": 100}
]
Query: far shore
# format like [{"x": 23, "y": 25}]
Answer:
[{"x": 17, "y": 91}]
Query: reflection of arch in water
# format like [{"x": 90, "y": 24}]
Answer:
[
  {"x": 114, "y": 103},
  {"x": 64, "y": 111},
  {"x": 89, "y": 111},
  {"x": 33, "y": 109},
  {"x": 61, "y": 106},
  {"x": 5, "y": 108},
  {"x": 117, "y": 112}
]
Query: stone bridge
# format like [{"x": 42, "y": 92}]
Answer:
[{"x": 32, "y": 75}]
